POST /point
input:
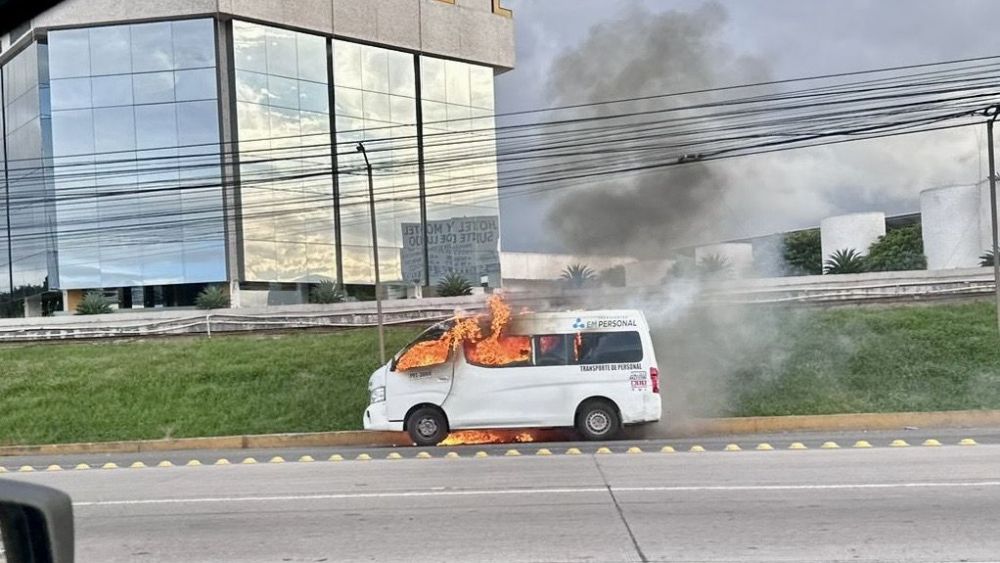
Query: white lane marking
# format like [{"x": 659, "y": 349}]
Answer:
[{"x": 563, "y": 490}]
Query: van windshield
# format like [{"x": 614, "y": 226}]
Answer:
[{"x": 428, "y": 349}]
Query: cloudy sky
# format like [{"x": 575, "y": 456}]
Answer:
[{"x": 733, "y": 42}]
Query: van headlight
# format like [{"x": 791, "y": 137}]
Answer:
[{"x": 377, "y": 395}]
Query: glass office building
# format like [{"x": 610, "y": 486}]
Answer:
[{"x": 149, "y": 159}]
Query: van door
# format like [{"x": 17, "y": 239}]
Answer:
[{"x": 428, "y": 381}]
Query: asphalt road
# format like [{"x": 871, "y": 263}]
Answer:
[{"x": 884, "y": 504}]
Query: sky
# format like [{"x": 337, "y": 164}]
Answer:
[{"x": 776, "y": 39}]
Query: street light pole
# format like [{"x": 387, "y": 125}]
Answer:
[
  {"x": 378, "y": 281},
  {"x": 992, "y": 113}
]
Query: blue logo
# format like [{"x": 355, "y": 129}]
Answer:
[{"x": 579, "y": 324}]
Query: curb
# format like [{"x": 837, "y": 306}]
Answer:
[{"x": 680, "y": 429}]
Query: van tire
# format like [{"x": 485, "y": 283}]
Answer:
[
  {"x": 598, "y": 419},
  {"x": 427, "y": 426}
]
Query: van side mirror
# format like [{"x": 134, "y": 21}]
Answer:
[{"x": 36, "y": 524}]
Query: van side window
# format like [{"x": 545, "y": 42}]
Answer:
[
  {"x": 551, "y": 350},
  {"x": 607, "y": 347},
  {"x": 505, "y": 352}
]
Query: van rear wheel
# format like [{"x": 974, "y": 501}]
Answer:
[
  {"x": 427, "y": 426},
  {"x": 598, "y": 420}
]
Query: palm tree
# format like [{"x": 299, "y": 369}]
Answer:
[
  {"x": 577, "y": 275},
  {"x": 714, "y": 265},
  {"x": 844, "y": 261},
  {"x": 986, "y": 259},
  {"x": 453, "y": 285}
]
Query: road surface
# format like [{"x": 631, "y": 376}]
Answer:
[{"x": 885, "y": 503}]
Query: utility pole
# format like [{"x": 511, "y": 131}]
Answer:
[
  {"x": 992, "y": 113},
  {"x": 378, "y": 281}
]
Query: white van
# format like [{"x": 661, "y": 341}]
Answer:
[{"x": 592, "y": 370}]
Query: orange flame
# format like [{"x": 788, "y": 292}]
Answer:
[
  {"x": 468, "y": 437},
  {"x": 497, "y": 349}
]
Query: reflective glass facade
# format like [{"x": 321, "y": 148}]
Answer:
[
  {"x": 286, "y": 179},
  {"x": 135, "y": 153}
]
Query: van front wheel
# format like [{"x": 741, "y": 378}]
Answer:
[
  {"x": 427, "y": 426},
  {"x": 598, "y": 420}
]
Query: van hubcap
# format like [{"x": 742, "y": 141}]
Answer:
[
  {"x": 427, "y": 427},
  {"x": 598, "y": 422}
]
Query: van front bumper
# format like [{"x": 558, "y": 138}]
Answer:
[{"x": 376, "y": 418}]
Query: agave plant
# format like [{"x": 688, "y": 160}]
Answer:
[
  {"x": 577, "y": 275},
  {"x": 93, "y": 303},
  {"x": 212, "y": 297},
  {"x": 325, "y": 292},
  {"x": 844, "y": 261},
  {"x": 453, "y": 285}
]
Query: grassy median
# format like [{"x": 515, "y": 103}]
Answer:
[{"x": 728, "y": 362}]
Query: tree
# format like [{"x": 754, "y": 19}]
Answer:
[
  {"x": 93, "y": 303},
  {"x": 326, "y": 292},
  {"x": 803, "y": 253},
  {"x": 714, "y": 266},
  {"x": 577, "y": 275},
  {"x": 845, "y": 261},
  {"x": 898, "y": 249},
  {"x": 453, "y": 285},
  {"x": 212, "y": 297},
  {"x": 986, "y": 259}
]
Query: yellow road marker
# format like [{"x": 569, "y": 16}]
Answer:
[
  {"x": 81, "y": 467},
  {"x": 110, "y": 465},
  {"x": 452, "y": 455},
  {"x": 667, "y": 450},
  {"x": 193, "y": 463},
  {"x": 363, "y": 457},
  {"x": 931, "y": 443},
  {"x": 336, "y": 457},
  {"x": 543, "y": 451},
  {"x": 54, "y": 468},
  {"x": 222, "y": 461},
  {"x": 573, "y": 451},
  {"x": 696, "y": 449},
  {"x": 830, "y": 446},
  {"x": 248, "y": 461},
  {"x": 306, "y": 459},
  {"x": 764, "y": 447},
  {"x": 797, "y": 446},
  {"x": 26, "y": 469},
  {"x": 861, "y": 444},
  {"x": 603, "y": 450},
  {"x": 393, "y": 455},
  {"x": 164, "y": 463},
  {"x": 424, "y": 455},
  {"x": 898, "y": 444},
  {"x": 634, "y": 450},
  {"x": 3, "y": 469},
  {"x": 138, "y": 465},
  {"x": 276, "y": 459},
  {"x": 732, "y": 448},
  {"x": 481, "y": 454},
  {"x": 967, "y": 442},
  {"x": 512, "y": 453}
]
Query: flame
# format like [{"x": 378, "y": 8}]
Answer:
[
  {"x": 497, "y": 349},
  {"x": 577, "y": 345},
  {"x": 470, "y": 437}
]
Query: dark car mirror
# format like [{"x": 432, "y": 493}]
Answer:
[{"x": 36, "y": 524}]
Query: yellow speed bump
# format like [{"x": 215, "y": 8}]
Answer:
[
  {"x": 306, "y": 459},
  {"x": 512, "y": 453},
  {"x": 26, "y": 469},
  {"x": 54, "y": 468},
  {"x": 696, "y": 449},
  {"x": 667, "y": 450},
  {"x": 276, "y": 459},
  {"x": 543, "y": 451},
  {"x": 363, "y": 457},
  {"x": 830, "y": 446},
  {"x": 481, "y": 454},
  {"x": 602, "y": 450},
  {"x": 336, "y": 457},
  {"x": 110, "y": 465},
  {"x": 248, "y": 461},
  {"x": 222, "y": 461},
  {"x": 138, "y": 465},
  {"x": 452, "y": 455},
  {"x": 3, "y": 469},
  {"x": 393, "y": 455},
  {"x": 967, "y": 442},
  {"x": 931, "y": 443},
  {"x": 732, "y": 448},
  {"x": 81, "y": 467},
  {"x": 862, "y": 444},
  {"x": 797, "y": 446},
  {"x": 898, "y": 444},
  {"x": 193, "y": 463},
  {"x": 765, "y": 447},
  {"x": 634, "y": 450},
  {"x": 424, "y": 455},
  {"x": 164, "y": 463},
  {"x": 573, "y": 451}
]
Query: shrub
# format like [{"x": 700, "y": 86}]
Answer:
[
  {"x": 803, "y": 253},
  {"x": 325, "y": 292},
  {"x": 898, "y": 249},
  {"x": 577, "y": 275},
  {"x": 93, "y": 303},
  {"x": 453, "y": 285},
  {"x": 714, "y": 266},
  {"x": 845, "y": 261},
  {"x": 986, "y": 259},
  {"x": 212, "y": 297}
]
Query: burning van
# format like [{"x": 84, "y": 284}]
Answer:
[{"x": 592, "y": 370}]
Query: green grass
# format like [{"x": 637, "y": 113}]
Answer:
[
  {"x": 187, "y": 387},
  {"x": 739, "y": 362}
]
